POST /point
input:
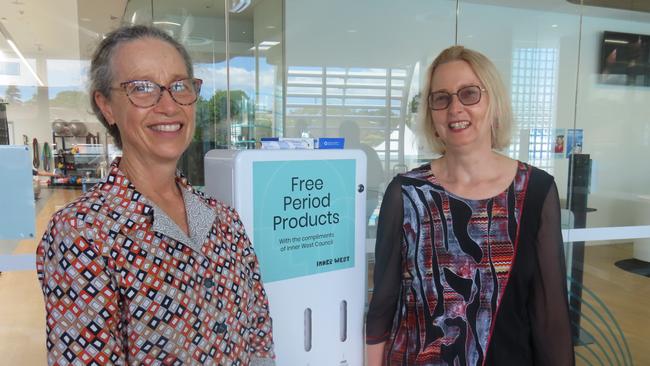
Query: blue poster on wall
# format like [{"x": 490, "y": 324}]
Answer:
[
  {"x": 304, "y": 214},
  {"x": 574, "y": 141}
]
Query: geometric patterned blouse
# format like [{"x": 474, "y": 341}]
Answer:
[
  {"x": 124, "y": 285},
  {"x": 455, "y": 278}
]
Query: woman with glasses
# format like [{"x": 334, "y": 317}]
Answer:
[
  {"x": 144, "y": 269},
  {"x": 469, "y": 260}
]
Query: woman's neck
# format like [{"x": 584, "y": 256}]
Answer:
[
  {"x": 469, "y": 167},
  {"x": 155, "y": 181}
]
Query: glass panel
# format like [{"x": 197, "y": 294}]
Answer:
[
  {"x": 610, "y": 182},
  {"x": 366, "y": 67},
  {"x": 256, "y": 52},
  {"x": 552, "y": 59}
]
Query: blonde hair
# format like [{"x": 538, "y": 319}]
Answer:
[{"x": 499, "y": 108}]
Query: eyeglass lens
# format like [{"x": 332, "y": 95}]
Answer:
[
  {"x": 144, "y": 93},
  {"x": 468, "y": 95}
]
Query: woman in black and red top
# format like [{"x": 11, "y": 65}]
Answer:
[{"x": 469, "y": 262}]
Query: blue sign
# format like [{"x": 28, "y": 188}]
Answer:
[
  {"x": 17, "y": 217},
  {"x": 304, "y": 215}
]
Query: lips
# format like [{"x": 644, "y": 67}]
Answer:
[{"x": 166, "y": 127}]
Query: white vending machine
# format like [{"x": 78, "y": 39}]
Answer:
[{"x": 304, "y": 211}]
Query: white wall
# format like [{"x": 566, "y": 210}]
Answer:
[
  {"x": 616, "y": 121},
  {"x": 366, "y": 33}
]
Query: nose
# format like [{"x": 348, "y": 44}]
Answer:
[
  {"x": 166, "y": 104},
  {"x": 454, "y": 104}
]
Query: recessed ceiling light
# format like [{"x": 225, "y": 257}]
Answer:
[
  {"x": 85, "y": 19},
  {"x": 270, "y": 27},
  {"x": 554, "y": 25}
]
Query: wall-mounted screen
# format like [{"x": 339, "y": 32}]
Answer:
[{"x": 625, "y": 59}]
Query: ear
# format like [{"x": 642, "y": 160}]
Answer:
[{"x": 105, "y": 106}]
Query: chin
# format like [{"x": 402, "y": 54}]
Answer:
[{"x": 170, "y": 153}]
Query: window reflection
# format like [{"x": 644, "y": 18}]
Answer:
[{"x": 533, "y": 85}]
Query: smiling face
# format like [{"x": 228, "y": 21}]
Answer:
[
  {"x": 460, "y": 126},
  {"x": 160, "y": 133}
]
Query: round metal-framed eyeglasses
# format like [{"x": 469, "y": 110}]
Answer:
[
  {"x": 468, "y": 95},
  {"x": 146, "y": 93}
]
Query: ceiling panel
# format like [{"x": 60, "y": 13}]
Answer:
[{"x": 61, "y": 29}]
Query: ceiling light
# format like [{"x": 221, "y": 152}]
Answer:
[
  {"x": 13, "y": 46},
  {"x": 29, "y": 67},
  {"x": 166, "y": 23},
  {"x": 237, "y": 6},
  {"x": 268, "y": 43},
  {"x": 264, "y": 46}
]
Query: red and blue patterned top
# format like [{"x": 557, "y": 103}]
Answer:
[
  {"x": 470, "y": 282},
  {"x": 123, "y": 284}
]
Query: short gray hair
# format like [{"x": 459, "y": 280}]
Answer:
[
  {"x": 101, "y": 68},
  {"x": 499, "y": 108}
]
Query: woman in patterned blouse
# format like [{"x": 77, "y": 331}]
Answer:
[
  {"x": 143, "y": 269},
  {"x": 469, "y": 261}
]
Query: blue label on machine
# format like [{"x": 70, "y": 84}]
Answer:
[{"x": 304, "y": 216}]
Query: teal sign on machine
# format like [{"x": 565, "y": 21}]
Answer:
[{"x": 304, "y": 212}]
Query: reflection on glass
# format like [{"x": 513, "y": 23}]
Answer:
[{"x": 241, "y": 66}]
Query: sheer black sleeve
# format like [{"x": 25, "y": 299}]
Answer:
[
  {"x": 388, "y": 261},
  {"x": 549, "y": 309}
]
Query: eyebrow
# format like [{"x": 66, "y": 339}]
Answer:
[
  {"x": 460, "y": 87},
  {"x": 174, "y": 78}
]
